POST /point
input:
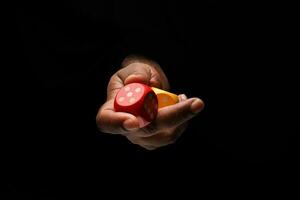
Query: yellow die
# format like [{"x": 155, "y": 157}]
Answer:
[{"x": 165, "y": 98}]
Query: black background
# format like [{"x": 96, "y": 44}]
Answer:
[{"x": 236, "y": 57}]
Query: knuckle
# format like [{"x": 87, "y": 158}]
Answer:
[
  {"x": 133, "y": 140},
  {"x": 172, "y": 140},
  {"x": 98, "y": 119},
  {"x": 172, "y": 137},
  {"x": 150, "y": 148},
  {"x": 100, "y": 123},
  {"x": 150, "y": 129},
  {"x": 113, "y": 78}
]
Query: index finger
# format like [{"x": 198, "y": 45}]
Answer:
[
  {"x": 110, "y": 121},
  {"x": 177, "y": 114}
]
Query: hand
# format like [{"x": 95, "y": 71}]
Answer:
[{"x": 171, "y": 121}]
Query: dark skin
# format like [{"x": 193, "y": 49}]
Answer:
[{"x": 171, "y": 121}]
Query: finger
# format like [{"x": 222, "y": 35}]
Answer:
[
  {"x": 140, "y": 73},
  {"x": 136, "y": 72},
  {"x": 156, "y": 70},
  {"x": 163, "y": 138},
  {"x": 139, "y": 142},
  {"x": 150, "y": 148},
  {"x": 114, "y": 85},
  {"x": 174, "y": 115},
  {"x": 110, "y": 121},
  {"x": 182, "y": 97}
]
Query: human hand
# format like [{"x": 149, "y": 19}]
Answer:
[{"x": 171, "y": 121}]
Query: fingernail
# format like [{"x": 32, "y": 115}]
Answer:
[
  {"x": 130, "y": 125},
  {"x": 197, "y": 106},
  {"x": 182, "y": 97}
]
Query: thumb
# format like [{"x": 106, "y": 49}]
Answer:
[
  {"x": 139, "y": 75},
  {"x": 135, "y": 72}
]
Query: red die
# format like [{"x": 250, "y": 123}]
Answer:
[{"x": 139, "y": 100}]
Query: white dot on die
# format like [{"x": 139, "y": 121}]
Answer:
[
  {"x": 127, "y": 89},
  {"x": 132, "y": 99},
  {"x": 121, "y": 99},
  {"x": 129, "y": 94},
  {"x": 137, "y": 90}
]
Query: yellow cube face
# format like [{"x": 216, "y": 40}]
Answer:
[{"x": 165, "y": 98}]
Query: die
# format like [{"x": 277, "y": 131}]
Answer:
[
  {"x": 139, "y": 100},
  {"x": 165, "y": 98}
]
